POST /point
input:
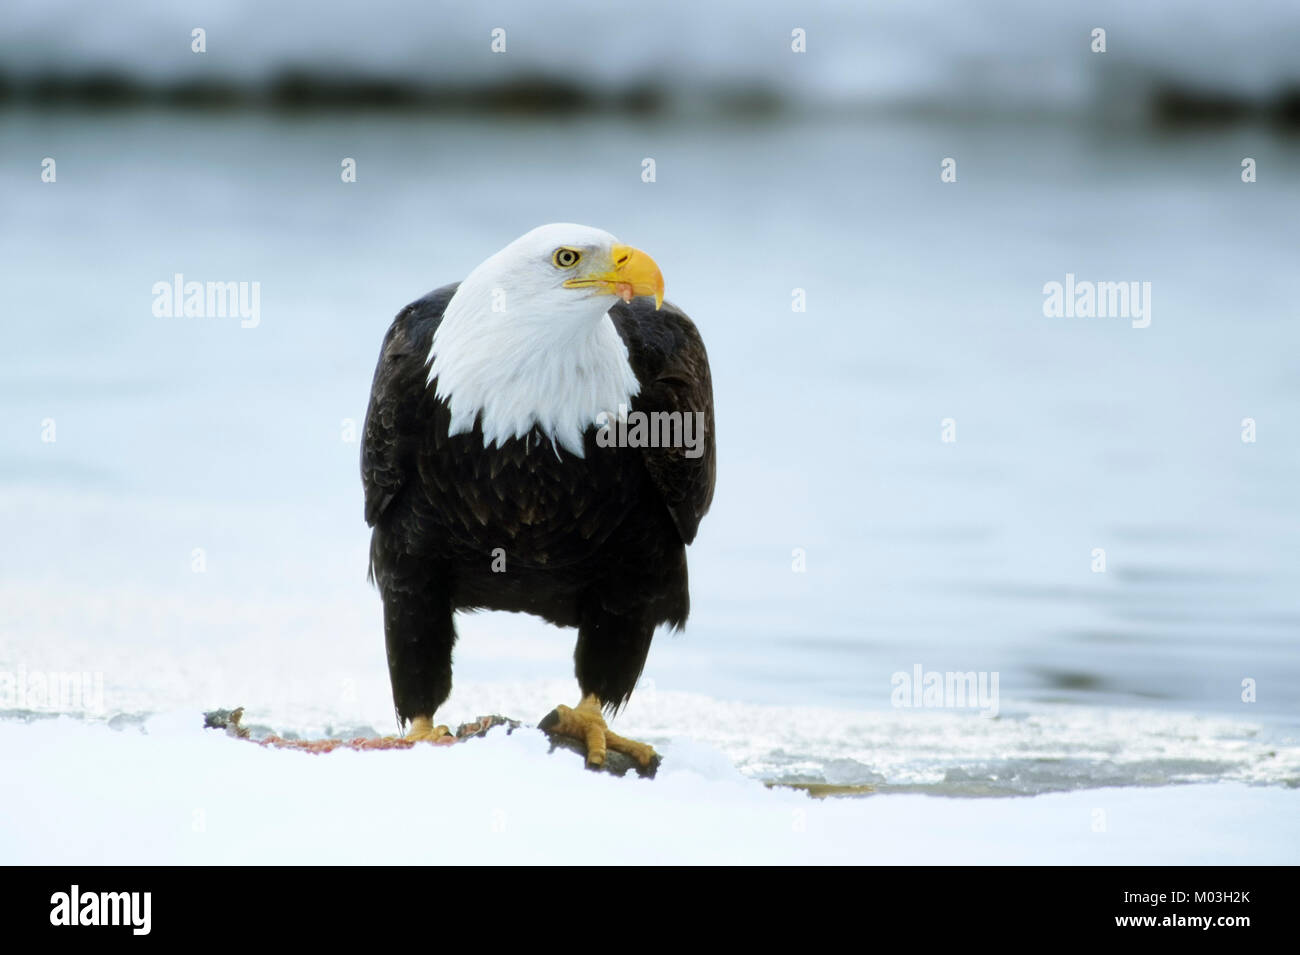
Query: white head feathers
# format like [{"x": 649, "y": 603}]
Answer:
[{"x": 517, "y": 349}]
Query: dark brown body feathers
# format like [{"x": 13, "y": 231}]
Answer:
[{"x": 596, "y": 543}]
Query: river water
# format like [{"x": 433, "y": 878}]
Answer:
[{"x": 920, "y": 469}]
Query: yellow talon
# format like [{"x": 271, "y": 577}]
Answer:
[
  {"x": 423, "y": 731},
  {"x": 585, "y": 722}
]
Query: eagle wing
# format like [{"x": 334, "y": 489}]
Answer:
[
  {"x": 668, "y": 356},
  {"x": 395, "y": 418}
]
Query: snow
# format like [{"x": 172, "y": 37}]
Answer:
[
  {"x": 175, "y": 793},
  {"x": 1000, "y": 55}
]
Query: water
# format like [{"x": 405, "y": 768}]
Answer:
[{"x": 924, "y": 303}]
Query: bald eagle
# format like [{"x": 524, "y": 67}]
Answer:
[{"x": 501, "y": 473}]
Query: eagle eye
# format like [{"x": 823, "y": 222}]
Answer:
[{"x": 566, "y": 258}]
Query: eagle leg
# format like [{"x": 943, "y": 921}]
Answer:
[
  {"x": 423, "y": 731},
  {"x": 585, "y": 722}
]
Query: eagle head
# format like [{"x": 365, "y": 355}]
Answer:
[{"x": 526, "y": 341}]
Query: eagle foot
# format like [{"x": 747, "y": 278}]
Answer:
[
  {"x": 586, "y": 724},
  {"x": 423, "y": 731}
]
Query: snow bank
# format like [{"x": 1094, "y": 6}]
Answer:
[{"x": 81, "y": 793}]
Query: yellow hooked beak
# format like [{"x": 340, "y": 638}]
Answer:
[{"x": 633, "y": 273}]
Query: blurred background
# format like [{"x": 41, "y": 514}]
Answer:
[{"x": 180, "y": 504}]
